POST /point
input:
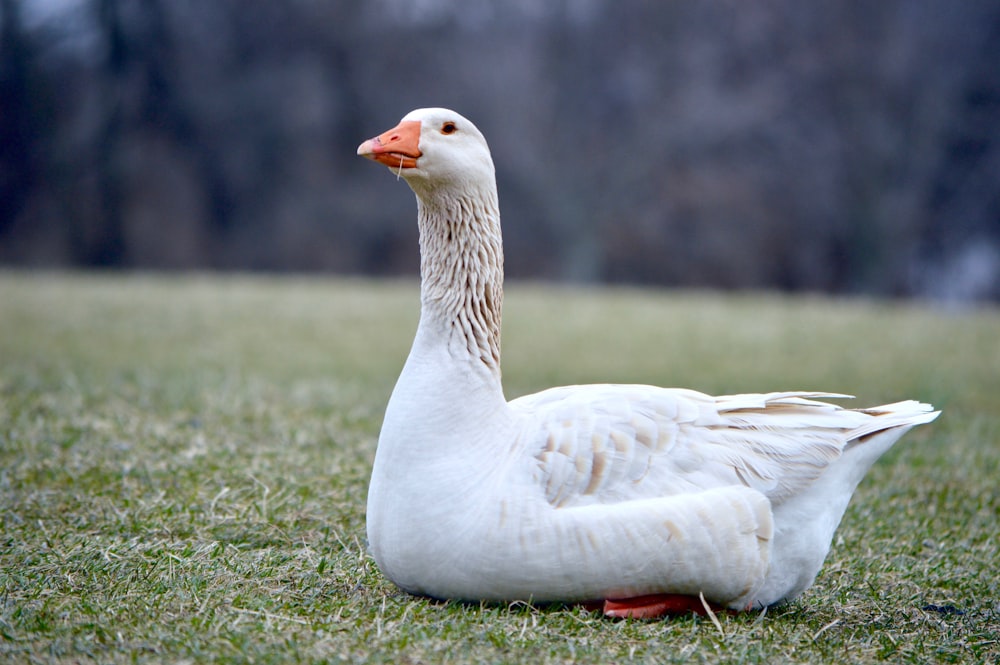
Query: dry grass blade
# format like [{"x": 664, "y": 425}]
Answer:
[
  {"x": 711, "y": 615},
  {"x": 825, "y": 628}
]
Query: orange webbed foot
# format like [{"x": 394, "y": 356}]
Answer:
[{"x": 655, "y": 606}]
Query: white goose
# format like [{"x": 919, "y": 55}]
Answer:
[{"x": 642, "y": 497}]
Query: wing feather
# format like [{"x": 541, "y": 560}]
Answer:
[{"x": 610, "y": 443}]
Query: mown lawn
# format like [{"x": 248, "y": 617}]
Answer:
[{"x": 184, "y": 462}]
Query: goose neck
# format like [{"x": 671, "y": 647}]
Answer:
[{"x": 461, "y": 272}]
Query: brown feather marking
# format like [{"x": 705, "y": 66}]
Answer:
[
  {"x": 599, "y": 465},
  {"x": 674, "y": 530},
  {"x": 665, "y": 439},
  {"x": 621, "y": 441}
]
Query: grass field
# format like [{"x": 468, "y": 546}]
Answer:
[{"x": 184, "y": 462}]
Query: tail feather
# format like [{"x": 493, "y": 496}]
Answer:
[{"x": 906, "y": 413}]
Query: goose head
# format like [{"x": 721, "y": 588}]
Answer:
[{"x": 433, "y": 148}]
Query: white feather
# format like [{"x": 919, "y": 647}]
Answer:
[{"x": 588, "y": 492}]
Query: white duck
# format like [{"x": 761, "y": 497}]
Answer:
[{"x": 639, "y": 496}]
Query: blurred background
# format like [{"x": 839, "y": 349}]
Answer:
[{"x": 830, "y": 146}]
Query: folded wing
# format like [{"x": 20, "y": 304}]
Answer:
[{"x": 603, "y": 444}]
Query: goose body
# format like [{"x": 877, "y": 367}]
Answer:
[{"x": 594, "y": 492}]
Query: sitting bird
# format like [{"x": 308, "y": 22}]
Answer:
[{"x": 649, "y": 500}]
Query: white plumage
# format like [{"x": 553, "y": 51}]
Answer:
[{"x": 592, "y": 492}]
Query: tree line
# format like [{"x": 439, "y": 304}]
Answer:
[{"x": 840, "y": 146}]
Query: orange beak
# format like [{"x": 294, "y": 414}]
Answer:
[{"x": 397, "y": 148}]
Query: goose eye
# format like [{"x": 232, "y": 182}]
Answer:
[{"x": 448, "y": 128}]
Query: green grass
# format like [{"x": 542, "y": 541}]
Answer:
[{"x": 184, "y": 461}]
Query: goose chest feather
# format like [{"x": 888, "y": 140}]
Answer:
[{"x": 626, "y": 494}]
